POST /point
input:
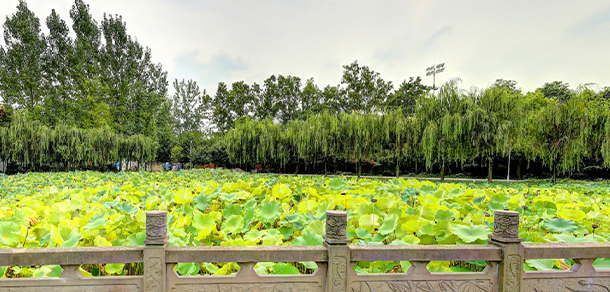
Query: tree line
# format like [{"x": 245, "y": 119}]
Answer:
[
  {"x": 103, "y": 79},
  {"x": 37, "y": 147},
  {"x": 453, "y": 126}
]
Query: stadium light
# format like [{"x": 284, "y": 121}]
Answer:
[{"x": 433, "y": 70}]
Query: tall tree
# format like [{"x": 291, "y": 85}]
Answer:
[
  {"x": 491, "y": 121},
  {"x": 441, "y": 121},
  {"x": 557, "y": 89},
  {"x": 366, "y": 91},
  {"x": 58, "y": 67},
  {"x": 557, "y": 134},
  {"x": 311, "y": 99},
  {"x": 288, "y": 99},
  {"x": 407, "y": 94},
  {"x": 189, "y": 106},
  {"x": 22, "y": 77}
]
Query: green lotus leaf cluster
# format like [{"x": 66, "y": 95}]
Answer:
[{"x": 220, "y": 207}]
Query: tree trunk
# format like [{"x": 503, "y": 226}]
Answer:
[
  {"x": 443, "y": 171},
  {"x": 508, "y": 172},
  {"x": 554, "y": 173},
  {"x": 359, "y": 167},
  {"x": 325, "y": 172},
  {"x": 297, "y": 170},
  {"x": 397, "y": 168},
  {"x": 519, "y": 170},
  {"x": 490, "y": 164}
]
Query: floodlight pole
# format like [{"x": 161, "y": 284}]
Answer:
[{"x": 433, "y": 70}]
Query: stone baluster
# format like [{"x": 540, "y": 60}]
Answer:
[
  {"x": 336, "y": 242},
  {"x": 506, "y": 236},
  {"x": 154, "y": 252}
]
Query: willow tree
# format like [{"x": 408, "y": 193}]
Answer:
[
  {"x": 324, "y": 132},
  {"x": 558, "y": 133},
  {"x": 360, "y": 137},
  {"x": 399, "y": 135},
  {"x": 491, "y": 123},
  {"x": 442, "y": 127}
]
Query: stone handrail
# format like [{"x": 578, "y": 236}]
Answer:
[{"x": 504, "y": 255}]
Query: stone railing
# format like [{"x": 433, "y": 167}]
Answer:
[{"x": 504, "y": 256}]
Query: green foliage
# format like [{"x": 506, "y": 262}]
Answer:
[{"x": 103, "y": 209}]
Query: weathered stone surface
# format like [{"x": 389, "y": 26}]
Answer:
[
  {"x": 225, "y": 254},
  {"x": 566, "y": 285},
  {"x": 506, "y": 226},
  {"x": 156, "y": 227},
  {"x": 70, "y": 255},
  {"x": 423, "y": 286},
  {"x": 80, "y": 288},
  {"x": 425, "y": 252},
  {"x": 265, "y": 287},
  {"x": 336, "y": 227}
]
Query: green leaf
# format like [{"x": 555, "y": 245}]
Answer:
[
  {"x": 201, "y": 202},
  {"x": 560, "y": 225},
  {"x": 187, "y": 269},
  {"x": 442, "y": 215},
  {"x": 233, "y": 224},
  {"x": 7, "y": 238},
  {"x": 114, "y": 269},
  {"x": 389, "y": 225},
  {"x": 96, "y": 221},
  {"x": 136, "y": 239},
  {"x": 281, "y": 191},
  {"x": 269, "y": 211},
  {"x": 470, "y": 234},
  {"x": 231, "y": 209},
  {"x": 308, "y": 238},
  {"x": 284, "y": 269},
  {"x": 541, "y": 264},
  {"x": 601, "y": 264},
  {"x": 369, "y": 222},
  {"x": 317, "y": 226},
  {"x": 73, "y": 240}
]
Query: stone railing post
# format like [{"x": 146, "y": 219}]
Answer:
[
  {"x": 506, "y": 236},
  {"x": 154, "y": 252},
  {"x": 336, "y": 242}
]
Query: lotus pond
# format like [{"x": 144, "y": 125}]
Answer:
[{"x": 220, "y": 207}]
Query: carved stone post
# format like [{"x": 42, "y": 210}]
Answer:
[
  {"x": 506, "y": 236},
  {"x": 154, "y": 252},
  {"x": 336, "y": 242}
]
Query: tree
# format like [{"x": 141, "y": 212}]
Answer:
[
  {"x": 509, "y": 85},
  {"x": 332, "y": 98},
  {"x": 229, "y": 106},
  {"x": 605, "y": 93},
  {"x": 59, "y": 63},
  {"x": 311, "y": 99},
  {"x": 366, "y": 91},
  {"x": 406, "y": 96},
  {"x": 189, "y": 106},
  {"x": 556, "y": 89},
  {"x": 491, "y": 123},
  {"x": 441, "y": 121},
  {"x": 287, "y": 105},
  {"x": 137, "y": 87},
  {"x": 557, "y": 134},
  {"x": 22, "y": 77}
]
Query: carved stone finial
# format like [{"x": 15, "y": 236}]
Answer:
[
  {"x": 156, "y": 227},
  {"x": 336, "y": 227},
  {"x": 506, "y": 227}
]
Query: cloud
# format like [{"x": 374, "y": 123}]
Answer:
[
  {"x": 445, "y": 30},
  {"x": 219, "y": 68},
  {"x": 593, "y": 24}
]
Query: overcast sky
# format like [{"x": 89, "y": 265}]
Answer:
[{"x": 532, "y": 42}]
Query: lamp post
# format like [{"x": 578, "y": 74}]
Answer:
[{"x": 433, "y": 70}]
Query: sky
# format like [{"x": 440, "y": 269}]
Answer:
[{"x": 532, "y": 42}]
